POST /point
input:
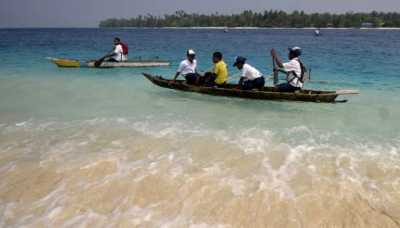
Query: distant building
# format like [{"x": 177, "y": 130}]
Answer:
[{"x": 367, "y": 25}]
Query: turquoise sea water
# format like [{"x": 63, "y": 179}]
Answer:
[
  {"x": 32, "y": 88},
  {"x": 47, "y": 112}
]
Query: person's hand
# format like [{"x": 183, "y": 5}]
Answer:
[{"x": 98, "y": 63}]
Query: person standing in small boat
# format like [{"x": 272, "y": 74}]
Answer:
[
  {"x": 118, "y": 54},
  {"x": 219, "y": 76},
  {"x": 188, "y": 68},
  {"x": 294, "y": 70},
  {"x": 250, "y": 77},
  {"x": 317, "y": 32}
]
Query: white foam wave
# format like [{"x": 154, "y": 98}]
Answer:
[{"x": 107, "y": 151}]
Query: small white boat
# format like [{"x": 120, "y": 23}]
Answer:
[{"x": 71, "y": 63}]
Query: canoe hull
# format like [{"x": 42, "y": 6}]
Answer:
[
  {"x": 269, "y": 93},
  {"x": 70, "y": 63}
]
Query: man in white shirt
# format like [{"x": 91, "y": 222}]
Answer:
[
  {"x": 188, "y": 68},
  {"x": 294, "y": 70},
  {"x": 250, "y": 77},
  {"x": 118, "y": 54}
]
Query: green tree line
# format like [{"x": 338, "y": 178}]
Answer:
[{"x": 271, "y": 18}]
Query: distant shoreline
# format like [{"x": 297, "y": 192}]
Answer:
[
  {"x": 262, "y": 18},
  {"x": 254, "y": 28},
  {"x": 213, "y": 27}
]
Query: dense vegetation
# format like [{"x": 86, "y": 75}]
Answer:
[{"x": 248, "y": 18}]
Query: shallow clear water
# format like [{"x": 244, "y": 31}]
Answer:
[{"x": 96, "y": 147}]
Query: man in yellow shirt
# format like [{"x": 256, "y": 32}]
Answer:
[
  {"x": 219, "y": 76},
  {"x": 220, "y": 69}
]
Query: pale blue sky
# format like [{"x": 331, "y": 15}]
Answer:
[{"x": 88, "y": 13}]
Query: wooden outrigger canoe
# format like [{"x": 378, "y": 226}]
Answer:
[
  {"x": 71, "y": 63},
  {"x": 268, "y": 93}
]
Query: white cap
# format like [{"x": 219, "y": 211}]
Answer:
[
  {"x": 191, "y": 52},
  {"x": 296, "y": 50}
]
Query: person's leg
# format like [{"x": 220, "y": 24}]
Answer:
[
  {"x": 200, "y": 80},
  {"x": 247, "y": 85},
  {"x": 223, "y": 85},
  {"x": 191, "y": 79},
  {"x": 259, "y": 83},
  {"x": 111, "y": 60},
  {"x": 286, "y": 87},
  {"x": 209, "y": 79}
]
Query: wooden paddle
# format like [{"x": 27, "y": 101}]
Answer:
[
  {"x": 275, "y": 72},
  {"x": 271, "y": 77}
]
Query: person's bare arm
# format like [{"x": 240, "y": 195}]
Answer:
[{"x": 176, "y": 75}]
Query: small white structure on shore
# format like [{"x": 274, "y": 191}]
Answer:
[{"x": 367, "y": 25}]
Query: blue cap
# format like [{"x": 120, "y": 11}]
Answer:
[{"x": 239, "y": 60}]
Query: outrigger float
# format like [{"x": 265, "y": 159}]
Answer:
[{"x": 72, "y": 63}]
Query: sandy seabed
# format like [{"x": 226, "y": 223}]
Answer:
[{"x": 91, "y": 175}]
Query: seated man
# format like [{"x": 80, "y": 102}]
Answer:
[
  {"x": 188, "y": 68},
  {"x": 294, "y": 70},
  {"x": 250, "y": 78},
  {"x": 219, "y": 76},
  {"x": 119, "y": 53}
]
